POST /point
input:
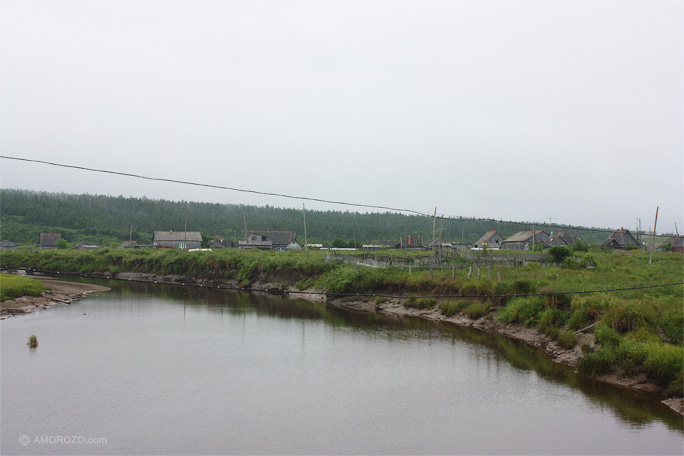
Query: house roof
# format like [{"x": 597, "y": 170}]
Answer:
[
  {"x": 177, "y": 236},
  {"x": 524, "y": 236},
  {"x": 49, "y": 239},
  {"x": 487, "y": 236},
  {"x": 7, "y": 244},
  {"x": 620, "y": 237},
  {"x": 276, "y": 237},
  {"x": 676, "y": 241},
  {"x": 562, "y": 238}
]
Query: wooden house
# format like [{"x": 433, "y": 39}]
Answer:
[
  {"x": 177, "y": 239},
  {"x": 491, "y": 238},
  {"x": 220, "y": 244},
  {"x": 677, "y": 243},
  {"x": 524, "y": 240},
  {"x": 268, "y": 240},
  {"x": 620, "y": 239},
  {"x": 411, "y": 242},
  {"x": 48, "y": 241},
  {"x": 561, "y": 239},
  {"x": 7, "y": 245}
]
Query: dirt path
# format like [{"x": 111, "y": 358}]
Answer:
[{"x": 59, "y": 293}]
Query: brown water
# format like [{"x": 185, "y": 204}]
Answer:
[{"x": 166, "y": 370}]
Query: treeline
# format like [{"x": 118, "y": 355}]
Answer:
[{"x": 107, "y": 221}]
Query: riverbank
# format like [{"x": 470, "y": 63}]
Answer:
[{"x": 59, "y": 293}]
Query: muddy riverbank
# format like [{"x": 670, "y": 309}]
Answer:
[{"x": 63, "y": 293}]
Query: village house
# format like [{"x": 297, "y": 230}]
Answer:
[
  {"x": 269, "y": 240},
  {"x": 411, "y": 242},
  {"x": 491, "y": 238},
  {"x": 220, "y": 244},
  {"x": 620, "y": 239},
  {"x": 177, "y": 240},
  {"x": 48, "y": 241},
  {"x": 677, "y": 243},
  {"x": 7, "y": 245},
  {"x": 524, "y": 240},
  {"x": 561, "y": 239}
]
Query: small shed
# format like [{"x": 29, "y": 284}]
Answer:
[
  {"x": 48, "y": 241},
  {"x": 620, "y": 239},
  {"x": 491, "y": 238},
  {"x": 411, "y": 242},
  {"x": 524, "y": 240},
  {"x": 8, "y": 245},
  {"x": 130, "y": 245},
  {"x": 178, "y": 239},
  {"x": 677, "y": 243},
  {"x": 220, "y": 244},
  {"x": 294, "y": 245}
]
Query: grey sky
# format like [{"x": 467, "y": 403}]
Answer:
[{"x": 519, "y": 110}]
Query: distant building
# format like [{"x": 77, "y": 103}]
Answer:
[
  {"x": 620, "y": 239},
  {"x": 268, "y": 240},
  {"x": 561, "y": 239},
  {"x": 130, "y": 245},
  {"x": 48, "y": 241},
  {"x": 411, "y": 242},
  {"x": 491, "y": 238},
  {"x": 220, "y": 244},
  {"x": 7, "y": 245},
  {"x": 294, "y": 245},
  {"x": 677, "y": 243},
  {"x": 524, "y": 240},
  {"x": 178, "y": 239}
]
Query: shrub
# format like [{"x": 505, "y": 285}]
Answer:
[
  {"x": 420, "y": 303},
  {"x": 585, "y": 311},
  {"x": 523, "y": 310},
  {"x": 580, "y": 246},
  {"x": 602, "y": 361},
  {"x": 451, "y": 308},
  {"x": 606, "y": 336},
  {"x": 571, "y": 263},
  {"x": 475, "y": 311},
  {"x": 664, "y": 362},
  {"x": 33, "y": 341},
  {"x": 523, "y": 286},
  {"x": 559, "y": 253},
  {"x": 567, "y": 339}
]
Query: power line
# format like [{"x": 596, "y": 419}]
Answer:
[{"x": 302, "y": 198}]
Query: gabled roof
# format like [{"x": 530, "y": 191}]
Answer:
[
  {"x": 562, "y": 239},
  {"x": 621, "y": 237},
  {"x": 524, "y": 236},
  {"x": 676, "y": 241},
  {"x": 487, "y": 237},
  {"x": 7, "y": 244},
  {"x": 177, "y": 236}
]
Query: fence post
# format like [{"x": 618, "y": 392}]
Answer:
[
  {"x": 499, "y": 276},
  {"x": 430, "y": 271},
  {"x": 478, "y": 272},
  {"x": 409, "y": 269},
  {"x": 453, "y": 271},
  {"x": 489, "y": 272},
  {"x": 470, "y": 272}
]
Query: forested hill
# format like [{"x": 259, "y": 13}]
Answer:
[{"x": 107, "y": 220}]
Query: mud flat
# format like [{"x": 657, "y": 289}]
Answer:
[{"x": 59, "y": 293}]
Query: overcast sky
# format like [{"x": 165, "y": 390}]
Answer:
[{"x": 515, "y": 110}]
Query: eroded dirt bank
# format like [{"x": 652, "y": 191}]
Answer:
[{"x": 59, "y": 293}]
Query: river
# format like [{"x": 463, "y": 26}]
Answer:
[{"x": 150, "y": 369}]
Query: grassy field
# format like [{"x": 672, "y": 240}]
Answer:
[
  {"x": 12, "y": 286},
  {"x": 639, "y": 329}
]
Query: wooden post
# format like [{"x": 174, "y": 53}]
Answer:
[
  {"x": 409, "y": 269},
  {"x": 489, "y": 272},
  {"x": 499, "y": 276},
  {"x": 653, "y": 238},
  {"x": 430, "y": 271},
  {"x": 304, "y": 212},
  {"x": 453, "y": 271},
  {"x": 478, "y": 272},
  {"x": 470, "y": 272}
]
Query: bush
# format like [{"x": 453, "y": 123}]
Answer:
[
  {"x": 664, "y": 362},
  {"x": 580, "y": 246},
  {"x": 571, "y": 263},
  {"x": 420, "y": 303},
  {"x": 523, "y": 286},
  {"x": 567, "y": 339},
  {"x": 602, "y": 361},
  {"x": 451, "y": 308},
  {"x": 559, "y": 253},
  {"x": 523, "y": 310},
  {"x": 606, "y": 336},
  {"x": 475, "y": 311}
]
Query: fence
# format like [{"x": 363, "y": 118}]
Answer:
[{"x": 444, "y": 259}]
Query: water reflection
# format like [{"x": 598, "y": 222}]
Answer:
[{"x": 637, "y": 411}]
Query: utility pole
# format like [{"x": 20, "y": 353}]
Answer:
[
  {"x": 676, "y": 230},
  {"x": 653, "y": 238},
  {"x": 354, "y": 226},
  {"x": 304, "y": 212},
  {"x": 434, "y": 225},
  {"x": 130, "y": 236},
  {"x": 244, "y": 219}
]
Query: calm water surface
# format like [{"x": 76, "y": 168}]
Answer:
[{"x": 166, "y": 370}]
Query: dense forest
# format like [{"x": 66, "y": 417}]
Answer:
[{"x": 107, "y": 221}]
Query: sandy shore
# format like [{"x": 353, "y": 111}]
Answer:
[{"x": 59, "y": 293}]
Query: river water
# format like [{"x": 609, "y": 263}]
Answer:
[{"x": 145, "y": 369}]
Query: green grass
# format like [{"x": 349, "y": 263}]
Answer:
[
  {"x": 13, "y": 286},
  {"x": 33, "y": 341},
  {"x": 451, "y": 308}
]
